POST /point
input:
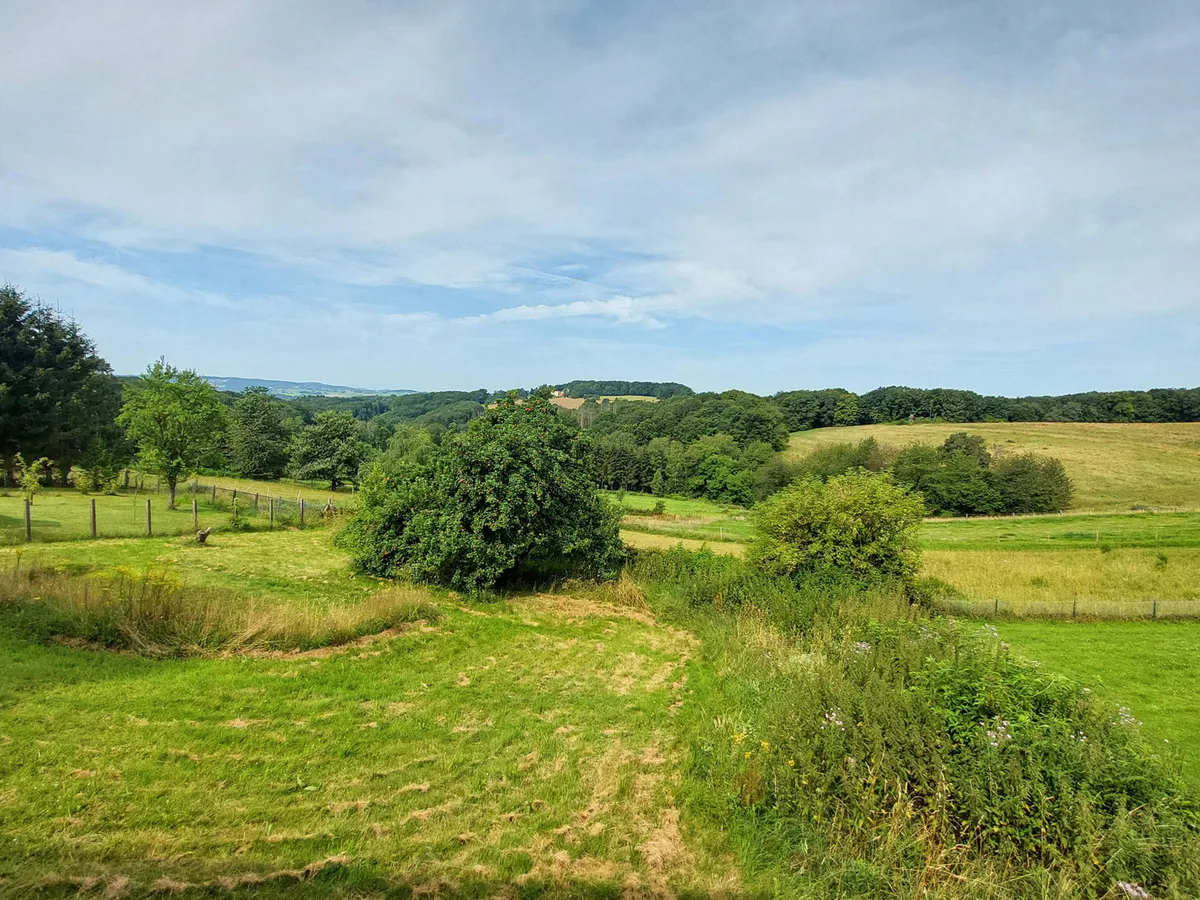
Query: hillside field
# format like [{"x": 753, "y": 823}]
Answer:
[{"x": 1114, "y": 467}]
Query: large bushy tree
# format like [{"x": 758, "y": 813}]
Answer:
[
  {"x": 177, "y": 421},
  {"x": 509, "y": 497},
  {"x": 58, "y": 397},
  {"x": 258, "y": 435},
  {"x": 331, "y": 449}
]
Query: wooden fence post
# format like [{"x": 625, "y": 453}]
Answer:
[
  {"x": 301, "y": 512},
  {"x": 93, "y": 517},
  {"x": 126, "y": 479},
  {"x": 271, "y": 508},
  {"x": 214, "y": 495},
  {"x": 235, "y": 496},
  {"x": 28, "y": 521},
  {"x": 195, "y": 514},
  {"x": 149, "y": 526},
  {"x": 256, "y": 502}
]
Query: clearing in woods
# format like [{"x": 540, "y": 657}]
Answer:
[{"x": 1115, "y": 467}]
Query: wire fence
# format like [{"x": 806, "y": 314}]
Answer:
[
  {"x": 143, "y": 510},
  {"x": 1077, "y": 608}
]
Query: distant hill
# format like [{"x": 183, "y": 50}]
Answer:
[{"x": 289, "y": 390}]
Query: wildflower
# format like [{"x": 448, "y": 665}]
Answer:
[
  {"x": 791, "y": 764},
  {"x": 1133, "y": 891},
  {"x": 739, "y": 737},
  {"x": 833, "y": 719},
  {"x": 1125, "y": 717},
  {"x": 998, "y": 734},
  {"x": 862, "y": 647},
  {"x": 1079, "y": 736},
  {"x": 765, "y": 745},
  {"x": 747, "y": 754}
]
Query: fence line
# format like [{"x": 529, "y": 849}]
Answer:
[
  {"x": 1076, "y": 608},
  {"x": 67, "y": 515}
]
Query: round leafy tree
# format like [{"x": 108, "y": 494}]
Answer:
[
  {"x": 510, "y": 497},
  {"x": 861, "y": 522}
]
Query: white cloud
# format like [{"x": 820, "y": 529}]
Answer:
[{"x": 426, "y": 165}]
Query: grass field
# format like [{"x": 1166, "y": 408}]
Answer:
[
  {"x": 1114, "y": 466},
  {"x": 281, "y": 565},
  {"x": 1085, "y": 532},
  {"x": 313, "y": 492},
  {"x": 1120, "y": 582},
  {"x": 1152, "y": 667},
  {"x": 526, "y": 743},
  {"x": 650, "y": 541},
  {"x": 61, "y": 514},
  {"x": 535, "y": 745}
]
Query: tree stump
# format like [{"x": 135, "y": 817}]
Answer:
[{"x": 202, "y": 536}]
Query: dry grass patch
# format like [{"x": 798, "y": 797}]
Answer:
[
  {"x": 1113, "y": 466},
  {"x": 1094, "y": 582}
]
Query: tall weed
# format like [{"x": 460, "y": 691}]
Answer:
[
  {"x": 875, "y": 749},
  {"x": 155, "y": 614}
]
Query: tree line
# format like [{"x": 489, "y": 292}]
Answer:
[{"x": 62, "y": 409}]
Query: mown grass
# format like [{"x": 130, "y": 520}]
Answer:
[
  {"x": 302, "y": 567},
  {"x": 643, "y": 540},
  {"x": 1113, "y": 466},
  {"x": 544, "y": 744},
  {"x": 526, "y": 744},
  {"x": 1048, "y": 582},
  {"x": 1153, "y": 667},
  {"x": 60, "y": 514},
  {"x": 1086, "y": 532},
  {"x": 64, "y": 515},
  {"x": 634, "y": 503},
  {"x": 285, "y": 489},
  {"x": 1155, "y": 530}
]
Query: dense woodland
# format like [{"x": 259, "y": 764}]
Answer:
[{"x": 64, "y": 415}]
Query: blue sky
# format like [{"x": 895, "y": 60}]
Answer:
[{"x": 774, "y": 195}]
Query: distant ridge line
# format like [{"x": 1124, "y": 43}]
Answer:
[{"x": 292, "y": 389}]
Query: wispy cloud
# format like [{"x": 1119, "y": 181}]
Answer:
[{"x": 858, "y": 177}]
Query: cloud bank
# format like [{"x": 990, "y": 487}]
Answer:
[{"x": 763, "y": 195}]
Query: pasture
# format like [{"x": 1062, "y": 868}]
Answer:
[
  {"x": 530, "y": 742},
  {"x": 1152, "y": 667},
  {"x": 1115, "y": 467},
  {"x": 63, "y": 514},
  {"x": 539, "y": 743}
]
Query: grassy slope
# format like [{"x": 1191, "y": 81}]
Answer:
[
  {"x": 533, "y": 739},
  {"x": 1113, "y": 466},
  {"x": 1152, "y": 667}
]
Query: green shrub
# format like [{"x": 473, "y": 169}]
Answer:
[
  {"x": 860, "y": 523},
  {"x": 510, "y": 498},
  {"x": 839, "y": 458},
  {"x": 1029, "y": 483}
]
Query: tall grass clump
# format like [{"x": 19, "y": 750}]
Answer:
[
  {"x": 153, "y": 613},
  {"x": 864, "y": 747}
]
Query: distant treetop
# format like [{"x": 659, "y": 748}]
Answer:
[{"x": 663, "y": 390}]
